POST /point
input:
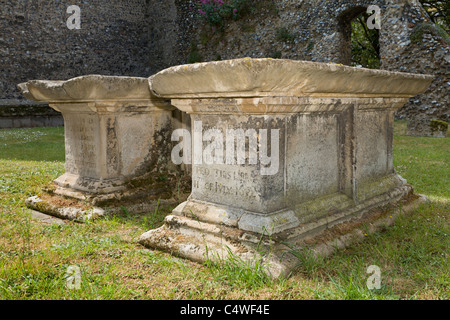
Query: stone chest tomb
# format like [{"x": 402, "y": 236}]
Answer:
[
  {"x": 116, "y": 132},
  {"x": 317, "y": 152}
]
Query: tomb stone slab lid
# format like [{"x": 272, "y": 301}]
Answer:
[
  {"x": 88, "y": 88},
  {"x": 248, "y": 77}
]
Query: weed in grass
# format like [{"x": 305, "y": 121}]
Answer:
[
  {"x": 235, "y": 271},
  {"x": 25, "y": 232},
  {"x": 151, "y": 221},
  {"x": 309, "y": 261},
  {"x": 125, "y": 211},
  {"x": 350, "y": 287}
]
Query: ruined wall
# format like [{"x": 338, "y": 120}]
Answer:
[
  {"x": 318, "y": 30},
  {"x": 412, "y": 44},
  {"x": 24, "y": 114},
  {"x": 142, "y": 37},
  {"x": 35, "y": 42}
]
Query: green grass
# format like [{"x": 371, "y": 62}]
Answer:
[
  {"x": 32, "y": 144},
  {"x": 424, "y": 162},
  {"x": 34, "y": 257}
]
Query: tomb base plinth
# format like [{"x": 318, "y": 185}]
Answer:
[{"x": 190, "y": 238}]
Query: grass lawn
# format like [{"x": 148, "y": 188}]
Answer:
[{"x": 34, "y": 256}]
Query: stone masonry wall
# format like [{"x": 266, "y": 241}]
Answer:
[
  {"x": 142, "y": 37},
  {"x": 319, "y": 31},
  {"x": 24, "y": 114},
  {"x": 35, "y": 42}
]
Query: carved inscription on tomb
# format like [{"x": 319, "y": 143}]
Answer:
[
  {"x": 224, "y": 184},
  {"x": 82, "y": 145}
]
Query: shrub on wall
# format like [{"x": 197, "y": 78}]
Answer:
[
  {"x": 431, "y": 28},
  {"x": 216, "y": 12}
]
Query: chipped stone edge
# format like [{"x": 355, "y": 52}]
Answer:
[
  {"x": 273, "y": 77},
  {"x": 36, "y": 203}
]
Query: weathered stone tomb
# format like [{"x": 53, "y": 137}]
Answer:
[
  {"x": 281, "y": 150},
  {"x": 116, "y": 133}
]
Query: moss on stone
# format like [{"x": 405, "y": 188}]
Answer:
[
  {"x": 372, "y": 188},
  {"x": 430, "y": 28},
  {"x": 322, "y": 206},
  {"x": 438, "y": 125},
  {"x": 42, "y": 206}
]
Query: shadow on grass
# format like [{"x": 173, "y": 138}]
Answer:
[{"x": 146, "y": 220}]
